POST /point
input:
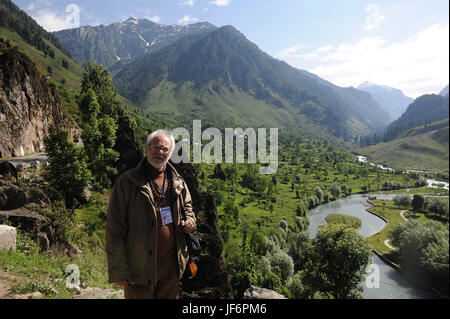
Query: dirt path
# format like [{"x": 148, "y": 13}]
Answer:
[
  {"x": 386, "y": 242},
  {"x": 6, "y": 283},
  {"x": 403, "y": 216}
]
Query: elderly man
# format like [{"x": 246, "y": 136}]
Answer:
[{"x": 145, "y": 241}]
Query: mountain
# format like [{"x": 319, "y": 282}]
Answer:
[
  {"x": 224, "y": 78},
  {"x": 391, "y": 99},
  {"x": 444, "y": 91},
  {"x": 423, "y": 111},
  {"x": 421, "y": 148},
  {"x": 126, "y": 40}
]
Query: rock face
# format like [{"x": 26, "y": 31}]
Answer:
[
  {"x": 28, "y": 104},
  {"x": 21, "y": 204}
]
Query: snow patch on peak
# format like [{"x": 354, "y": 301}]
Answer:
[{"x": 367, "y": 84}]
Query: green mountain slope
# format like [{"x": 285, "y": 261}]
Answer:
[
  {"x": 421, "y": 148},
  {"x": 425, "y": 109},
  {"x": 123, "y": 41},
  {"x": 221, "y": 74}
]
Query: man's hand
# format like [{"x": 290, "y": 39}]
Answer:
[{"x": 188, "y": 226}]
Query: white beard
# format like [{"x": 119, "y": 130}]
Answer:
[{"x": 158, "y": 164}]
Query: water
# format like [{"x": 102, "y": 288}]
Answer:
[
  {"x": 392, "y": 284},
  {"x": 430, "y": 182}
]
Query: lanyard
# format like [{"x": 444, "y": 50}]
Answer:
[{"x": 164, "y": 185}]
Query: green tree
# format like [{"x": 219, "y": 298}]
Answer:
[
  {"x": 319, "y": 194},
  {"x": 417, "y": 203},
  {"x": 335, "y": 190},
  {"x": 402, "y": 200},
  {"x": 99, "y": 136},
  {"x": 337, "y": 260},
  {"x": 423, "y": 248},
  {"x": 67, "y": 169},
  {"x": 98, "y": 79}
]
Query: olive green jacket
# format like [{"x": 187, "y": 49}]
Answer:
[{"x": 131, "y": 226}]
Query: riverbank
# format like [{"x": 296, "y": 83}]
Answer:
[{"x": 393, "y": 215}]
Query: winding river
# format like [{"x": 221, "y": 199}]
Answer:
[{"x": 392, "y": 284}]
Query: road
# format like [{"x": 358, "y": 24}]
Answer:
[{"x": 26, "y": 161}]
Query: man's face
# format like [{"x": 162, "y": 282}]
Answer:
[{"x": 158, "y": 152}]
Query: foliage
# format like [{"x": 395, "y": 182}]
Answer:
[
  {"x": 417, "y": 203},
  {"x": 337, "y": 261},
  {"x": 99, "y": 136},
  {"x": 98, "y": 79},
  {"x": 438, "y": 206},
  {"x": 16, "y": 19},
  {"x": 67, "y": 169},
  {"x": 424, "y": 250},
  {"x": 335, "y": 190},
  {"x": 242, "y": 265},
  {"x": 350, "y": 221},
  {"x": 402, "y": 200}
]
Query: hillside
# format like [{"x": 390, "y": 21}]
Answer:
[
  {"x": 222, "y": 77},
  {"x": 123, "y": 41},
  {"x": 424, "y": 110},
  {"x": 421, "y": 148}
]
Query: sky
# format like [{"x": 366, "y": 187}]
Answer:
[{"x": 398, "y": 43}]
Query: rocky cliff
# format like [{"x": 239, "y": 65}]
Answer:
[{"x": 28, "y": 104}]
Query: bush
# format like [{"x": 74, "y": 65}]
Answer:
[
  {"x": 402, "y": 200},
  {"x": 284, "y": 263},
  {"x": 424, "y": 250}
]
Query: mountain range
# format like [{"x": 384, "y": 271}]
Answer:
[
  {"x": 222, "y": 73},
  {"x": 126, "y": 40},
  {"x": 391, "y": 99},
  {"x": 218, "y": 75}
]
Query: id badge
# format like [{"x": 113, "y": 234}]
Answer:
[{"x": 166, "y": 215}]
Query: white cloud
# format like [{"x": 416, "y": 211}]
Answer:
[
  {"x": 417, "y": 65},
  {"x": 324, "y": 49},
  {"x": 221, "y": 3},
  {"x": 155, "y": 19},
  {"x": 52, "y": 21},
  {"x": 374, "y": 18},
  {"x": 187, "y": 19},
  {"x": 37, "y": 4},
  {"x": 187, "y": 3},
  {"x": 292, "y": 52}
]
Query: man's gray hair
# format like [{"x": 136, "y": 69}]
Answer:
[{"x": 165, "y": 133}]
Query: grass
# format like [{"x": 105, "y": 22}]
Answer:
[
  {"x": 420, "y": 148},
  {"x": 351, "y": 221},
  {"x": 46, "y": 271},
  {"x": 391, "y": 213}
]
